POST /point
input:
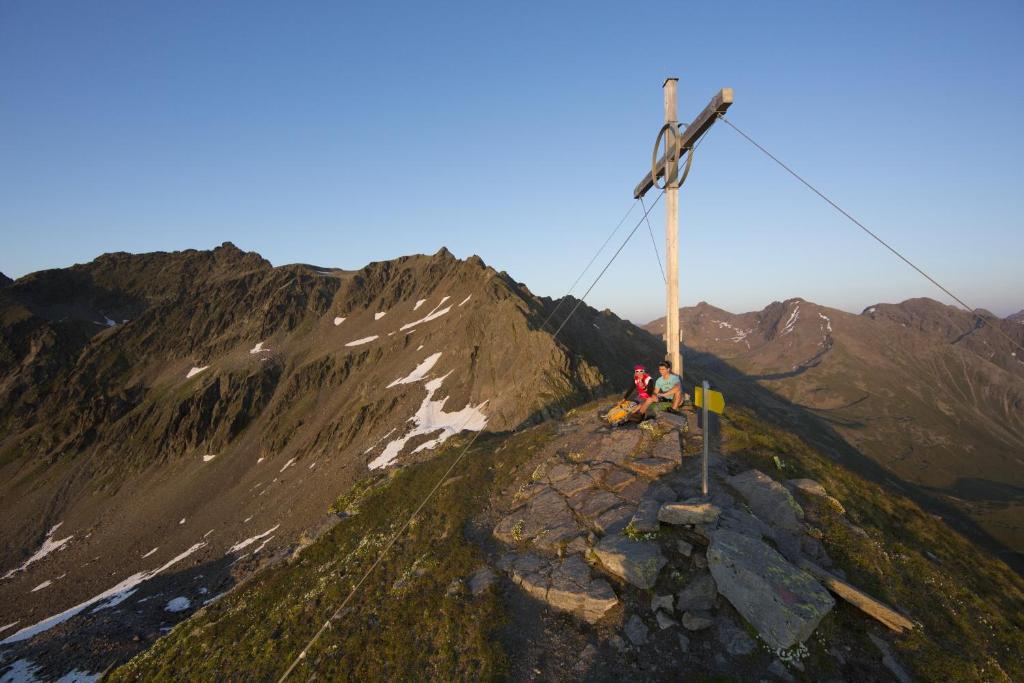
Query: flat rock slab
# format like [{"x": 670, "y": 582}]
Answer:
[
  {"x": 616, "y": 479},
  {"x": 809, "y": 486},
  {"x": 637, "y": 562},
  {"x": 769, "y": 500},
  {"x": 689, "y": 512},
  {"x": 785, "y": 604},
  {"x": 615, "y": 520},
  {"x": 667, "y": 448},
  {"x": 545, "y": 520},
  {"x": 652, "y": 468},
  {"x": 564, "y": 584},
  {"x": 593, "y": 503},
  {"x": 645, "y": 519},
  {"x": 574, "y": 484}
]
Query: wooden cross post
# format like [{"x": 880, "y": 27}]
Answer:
[{"x": 677, "y": 141}]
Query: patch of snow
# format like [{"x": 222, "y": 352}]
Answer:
[
  {"x": 259, "y": 460},
  {"x": 793, "y": 317},
  {"x": 419, "y": 372},
  {"x": 244, "y": 521},
  {"x": 150, "y": 552},
  {"x": 182, "y": 521},
  {"x": 10, "y": 625},
  {"x": 419, "y": 303},
  {"x": 107, "y": 321},
  {"x": 312, "y": 464},
  {"x": 258, "y": 348},
  {"x": 433, "y": 315},
  {"x": 108, "y": 598},
  {"x": 431, "y": 418},
  {"x": 870, "y": 310},
  {"x": 208, "y": 533},
  {"x": 420, "y": 347},
  {"x": 41, "y": 586},
  {"x": 209, "y": 457},
  {"x": 379, "y": 315},
  {"x": 249, "y": 541},
  {"x": 466, "y": 299},
  {"x": 338, "y": 320},
  {"x": 22, "y": 671},
  {"x": 828, "y": 322},
  {"x": 195, "y": 371},
  {"x": 48, "y": 546},
  {"x": 263, "y": 545},
  {"x": 288, "y": 464},
  {"x": 179, "y": 604},
  {"x": 364, "y": 340}
]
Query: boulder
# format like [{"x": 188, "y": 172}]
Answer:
[
  {"x": 769, "y": 500},
  {"x": 664, "y": 620},
  {"x": 636, "y": 631},
  {"x": 697, "y": 620},
  {"x": 664, "y": 602},
  {"x": 637, "y": 562},
  {"x": 615, "y": 520},
  {"x": 692, "y": 511},
  {"x": 784, "y": 603},
  {"x": 574, "y": 484},
  {"x": 699, "y": 594},
  {"x": 809, "y": 486},
  {"x": 573, "y": 590},
  {"x": 652, "y": 468}
]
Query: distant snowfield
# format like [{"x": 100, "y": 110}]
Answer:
[
  {"x": 195, "y": 371},
  {"x": 48, "y": 546},
  {"x": 44, "y": 584},
  {"x": 465, "y": 300},
  {"x": 419, "y": 303},
  {"x": 339, "y": 320},
  {"x": 288, "y": 464},
  {"x": 419, "y": 373},
  {"x": 379, "y": 315},
  {"x": 108, "y": 598},
  {"x": 364, "y": 340},
  {"x": 431, "y": 418},
  {"x": 258, "y": 348},
  {"x": 208, "y": 458},
  {"x": 827, "y": 320},
  {"x": 150, "y": 552},
  {"x": 433, "y": 315}
]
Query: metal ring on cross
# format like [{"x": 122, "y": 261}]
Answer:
[{"x": 672, "y": 152}]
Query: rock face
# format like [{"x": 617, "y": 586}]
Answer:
[
  {"x": 637, "y": 562},
  {"x": 769, "y": 500},
  {"x": 689, "y": 512},
  {"x": 700, "y": 594},
  {"x": 784, "y": 603}
]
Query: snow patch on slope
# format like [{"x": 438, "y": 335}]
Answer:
[
  {"x": 48, "y": 546},
  {"x": 179, "y": 604},
  {"x": 379, "y": 315},
  {"x": 419, "y": 303},
  {"x": 419, "y": 373},
  {"x": 108, "y": 598},
  {"x": 195, "y": 371},
  {"x": 793, "y": 317},
  {"x": 364, "y": 340},
  {"x": 258, "y": 348},
  {"x": 338, "y": 320},
  {"x": 431, "y": 418},
  {"x": 433, "y": 315},
  {"x": 249, "y": 541}
]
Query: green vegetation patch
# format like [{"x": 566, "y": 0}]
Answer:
[{"x": 412, "y": 619}]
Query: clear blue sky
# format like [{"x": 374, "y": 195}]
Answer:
[{"x": 341, "y": 133}]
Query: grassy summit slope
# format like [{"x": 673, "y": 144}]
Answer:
[{"x": 414, "y": 620}]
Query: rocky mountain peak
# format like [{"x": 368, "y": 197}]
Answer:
[{"x": 4, "y": 280}]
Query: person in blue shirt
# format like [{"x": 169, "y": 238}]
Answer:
[{"x": 668, "y": 392}]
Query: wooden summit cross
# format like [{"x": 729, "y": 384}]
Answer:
[{"x": 677, "y": 140}]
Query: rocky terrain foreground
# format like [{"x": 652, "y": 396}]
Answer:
[{"x": 611, "y": 527}]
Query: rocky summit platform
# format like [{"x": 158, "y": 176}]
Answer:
[{"x": 611, "y": 521}]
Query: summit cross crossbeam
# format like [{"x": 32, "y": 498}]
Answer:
[{"x": 677, "y": 141}]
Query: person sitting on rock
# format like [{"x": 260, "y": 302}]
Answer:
[
  {"x": 668, "y": 392},
  {"x": 643, "y": 384}
]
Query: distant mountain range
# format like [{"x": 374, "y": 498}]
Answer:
[
  {"x": 165, "y": 411},
  {"x": 917, "y": 394}
]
